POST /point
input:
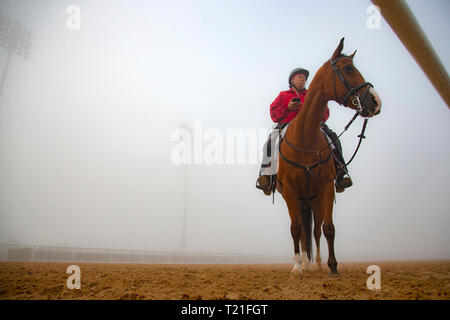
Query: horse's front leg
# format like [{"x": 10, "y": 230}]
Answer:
[
  {"x": 329, "y": 233},
  {"x": 295, "y": 232},
  {"x": 294, "y": 212}
]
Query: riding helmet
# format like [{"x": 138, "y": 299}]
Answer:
[{"x": 298, "y": 70}]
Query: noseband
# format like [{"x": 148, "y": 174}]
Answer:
[{"x": 351, "y": 90}]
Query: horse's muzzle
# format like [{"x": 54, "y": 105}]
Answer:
[{"x": 371, "y": 104}]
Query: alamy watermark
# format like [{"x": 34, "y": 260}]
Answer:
[
  {"x": 73, "y": 21},
  {"x": 373, "y": 22},
  {"x": 74, "y": 281},
  {"x": 201, "y": 145},
  {"x": 374, "y": 281}
]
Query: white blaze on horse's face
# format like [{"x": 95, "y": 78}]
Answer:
[{"x": 370, "y": 103}]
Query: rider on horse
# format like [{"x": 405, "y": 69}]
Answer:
[{"x": 285, "y": 107}]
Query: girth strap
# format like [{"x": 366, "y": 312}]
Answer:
[
  {"x": 306, "y": 169},
  {"x": 299, "y": 165}
]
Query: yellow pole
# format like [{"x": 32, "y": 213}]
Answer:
[
  {"x": 5, "y": 71},
  {"x": 405, "y": 26}
]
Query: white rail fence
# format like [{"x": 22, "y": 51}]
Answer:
[{"x": 15, "y": 252}]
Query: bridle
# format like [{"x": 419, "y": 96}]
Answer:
[{"x": 351, "y": 90}]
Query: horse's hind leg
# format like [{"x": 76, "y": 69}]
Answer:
[
  {"x": 318, "y": 220},
  {"x": 317, "y": 234},
  {"x": 305, "y": 236}
]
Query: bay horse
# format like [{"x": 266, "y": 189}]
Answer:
[{"x": 306, "y": 172}]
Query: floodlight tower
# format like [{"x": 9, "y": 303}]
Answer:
[
  {"x": 185, "y": 126},
  {"x": 15, "y": 38}
]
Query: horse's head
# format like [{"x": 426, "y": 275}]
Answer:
[{"x": 348, "y": 85}]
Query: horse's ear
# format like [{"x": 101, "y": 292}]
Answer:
[
  {"x": 352, "y": 55},
  {"x": 338, "y": 50}
]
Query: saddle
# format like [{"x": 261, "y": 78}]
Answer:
[{"x": 269, "y": 186}]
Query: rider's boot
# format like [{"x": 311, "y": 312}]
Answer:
[
  {"x": 343, "y": 181},
  {"x": 264, "y": 183}
]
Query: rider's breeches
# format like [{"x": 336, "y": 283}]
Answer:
[{"x": 269, "y": 164}]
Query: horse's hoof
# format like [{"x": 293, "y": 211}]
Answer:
[
  {"x": 334, "y": 273},
  {"x": 296, "y": 271}
]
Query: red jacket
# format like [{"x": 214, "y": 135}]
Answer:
[{"x": 279, "y": 111}]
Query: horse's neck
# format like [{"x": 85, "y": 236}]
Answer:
[{"x": 306, "y": 125}]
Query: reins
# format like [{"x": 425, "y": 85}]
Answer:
[{"x": 319, "y": 152}]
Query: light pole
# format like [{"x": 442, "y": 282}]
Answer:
[
  {"x": 15, "y": 38},
  {"x": 185, "y": 196},
  {"x": 183, "y": 232}
]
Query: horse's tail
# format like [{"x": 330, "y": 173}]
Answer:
[{"x": 307, "y": 220}]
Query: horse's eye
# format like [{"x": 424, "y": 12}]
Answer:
[{"x": 348, "y": 68}]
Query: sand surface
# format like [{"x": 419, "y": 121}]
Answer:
[{"x": 399, "y": 280}]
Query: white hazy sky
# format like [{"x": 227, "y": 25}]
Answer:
[{"x": 86, "y": 124}]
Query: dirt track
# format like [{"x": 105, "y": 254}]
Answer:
[{"x": 399, "y": 280}]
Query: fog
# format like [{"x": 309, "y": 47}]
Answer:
[{"x": 87, "y": 124}]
